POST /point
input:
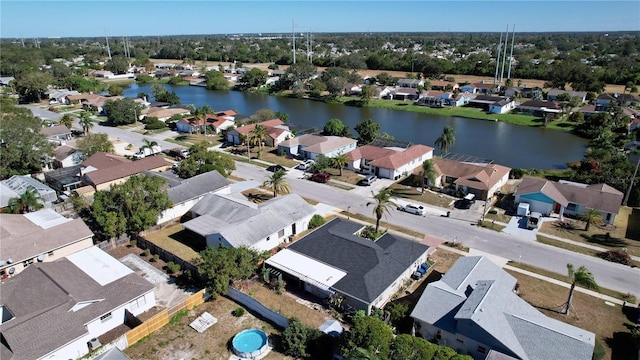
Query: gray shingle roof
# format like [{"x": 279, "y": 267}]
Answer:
[
  {"x": 371, "y": 266},
  {"x": 244, "y": 223},
  {"x": 498, "y": 318},
  {"x": 41, "y": 299},
  {"x": 193, "y": 187}
]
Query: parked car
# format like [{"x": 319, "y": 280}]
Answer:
[
  {"x": 306, "y": 165},
  {"x": 533, "y": 220},
  {"x": 413, "y": 209},
  {"x": 368, "y": 180},
  {"x": 463, "y": 204},
  {"x": 321, "y": 177},
  {"x": 274, "y": 168}
]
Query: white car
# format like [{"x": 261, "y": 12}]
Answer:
[
  {"x": 306, "y": 165},
  {"x": 413, "y": 209}
]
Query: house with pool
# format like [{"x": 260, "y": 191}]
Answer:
[{"x": 334, "y": 261}]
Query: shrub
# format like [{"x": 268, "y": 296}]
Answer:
[
  {"x": 133, "y": 243},
  {"x": 316, "y": 220},
  {"x": 172, "y": 267},
  {"x": 616, "y": 256},
  {"x": 598, "y": 351},
  {"x": 146, "y": 252},
  {"x": 152, "y": 123},
  {"x": 369, "y": 232},
  {"x": 517, "y": 173},
  {"x": 155, "y": 258},
  {"x": 238, "y": 312}
]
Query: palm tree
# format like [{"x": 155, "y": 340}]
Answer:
[
  {"x": 148, "y": 144},
  {"x": 582, "y": 277},
  {"x": 257, "y": 136},
  {"x": 200, "y": 113},
  {"x": 86, "y": 122},
  {"x": 428, "y": 172},
  {"x": 592, "y": 216},
  {"x": 381, "y": 204},
  {"x": 339, "y": 161},
  {"x": 446, "y": 140},
  {"x": 278, "y": 183},
  {"x": 29, "y": 201},
  {"x": 66, "y": 120}
]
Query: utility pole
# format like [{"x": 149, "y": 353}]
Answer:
[
  {"x": 504, "y": 56},
  {"x": 495, "y": 75},
  {"x": 513, "y": 39},
  {"x": 107, "y": 38},
  {"x": 293, "y": 37}
]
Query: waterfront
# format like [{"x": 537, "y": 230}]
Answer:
[{"x": 506, "y": 144}]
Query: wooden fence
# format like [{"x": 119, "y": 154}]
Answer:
[{"x": 162, "y": 318}]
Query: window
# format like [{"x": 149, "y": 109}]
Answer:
[
  {"x": 571, "y": 207},
  {"x": 106, "y": 317},
  {"x": 281, "y": 233},
  {"x": 482, "y": 350}
]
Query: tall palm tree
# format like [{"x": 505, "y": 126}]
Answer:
[
  {"x": 339, "y": 161},
  {"x": 446, "y": 140},
  {"x": 428, "y": 172},
  {"x": 200, "y": 113},
  {"x": 86, "y": 122},
  {"x": 582, "y": 277},
  {"x": 66, "y": 120},
  {"x": 278, "y": 183},
  {"x": 382, "y": 204},
  {"x": 148, "y": 144},
  {"x": 257, "y": 136},
  {"x": 29, "y": 201},
  {"x": 592, "y": 216}
]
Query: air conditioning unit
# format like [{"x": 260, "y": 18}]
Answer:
[{"x": 93, "y": 343}]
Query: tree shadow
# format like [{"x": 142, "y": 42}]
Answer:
[
  {"x": 357, "y": 103},
  {"x": 622, "y": 346},
  {"x": 633, "y": 225},
  {"x": 257, "y": 197},
  {"x": 605, "y": 239},
  {"x": 632, "y": 313},
  {"x": 565, "y": 125},
  {"x": 187, "y": 238}
]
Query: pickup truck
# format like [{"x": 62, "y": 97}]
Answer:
[{"x": 144, "y": 152}]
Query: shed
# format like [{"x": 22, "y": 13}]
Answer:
[{"x": 523, "y": 209}]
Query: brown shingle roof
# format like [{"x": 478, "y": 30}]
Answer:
[
  {"x": 369, "y": 152},
  {"x": 400, "y": 158},
  {"x": 103, "y": 160},
  {"x": 474, "y": 176},
  {"x": 123, "y": 170},
  {"x": 55, "y": 130},
  {"x": 541, "y": 104},
  {"x": 246, "y": 129}
]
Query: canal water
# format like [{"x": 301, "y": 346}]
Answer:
[{"x": 507, "y": 144}]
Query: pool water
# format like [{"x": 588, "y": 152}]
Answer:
[{"x": 248, "y": 341}]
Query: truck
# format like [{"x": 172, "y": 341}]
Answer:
[{"x": 147, "y": 151}]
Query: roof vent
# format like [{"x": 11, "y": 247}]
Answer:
[
  {"x": 41, "y": 257},
  {"x": 3, "y": 263},
  {"x": 9, "y": 260},
  {"x": 12, "y": 270}
]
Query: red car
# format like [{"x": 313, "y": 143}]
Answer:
[{"x": 321, "y": 177}]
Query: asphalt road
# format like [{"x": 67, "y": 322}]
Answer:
[{"x": 607, "y": 274}]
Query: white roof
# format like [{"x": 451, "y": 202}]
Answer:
[
  {"x": 307, "y": 269},
  {"x": 46, "y": 218},
  {"x": 100, "y": 266}
]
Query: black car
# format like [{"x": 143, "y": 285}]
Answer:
[
  {"x": 274, "y": 168},
  {"x": 463, "y": 204}
]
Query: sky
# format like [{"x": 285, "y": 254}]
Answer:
[{"x": 90, "y": 18}]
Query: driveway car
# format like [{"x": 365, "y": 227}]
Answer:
[
  {"x": 274, "y": 168},
  {"x": 368, "y": 180},
  {"x": 463, "y": 204},
  {"x": 321, "y": 177},
  {"x": 306, "y": 165},
  {"x": 413, "y": 209}
]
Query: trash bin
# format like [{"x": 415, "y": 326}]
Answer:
[{"x": 448, "y": 213}]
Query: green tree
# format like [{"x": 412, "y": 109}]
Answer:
[
  {"x": 428, "y": 172},
  {"x": 86, "y": 122},
  {"x": 202, "y": 160},
  {"x": 385, "y": 79},
  {"x": 66, "y": 120},
  {"x": 148, "y": 144},
  {"x": 317, "y": 87},
  {"x": 255, "y": 77},
  {"x": 215, "y": 80},
  {"x": 117, "y": 65},
  {"x": 447, "y": 140},
  {"x": 278, "y": 183},
  {"x": 115, "y": 90},
  {"x": 122, "y": 112},
  {"x": 33, "y": 85},
  {"x": 336, "y": 85},
  {"x": 359, "y": 353},
  {"x": 220, "y": 266},
  {"x": 382, "y": 204},
  {"x": 582, "y": 277},
  {"x": 299, "y": 72},
  {"x": 368, "y": 92},
  {"x": 23, "y": 148},
  {"x": 371, "y": 333},
  {"x": 339, "y": 161},
  {"x": 408, "y": 347},
  {"x": 297, "y": 338},
  {"x": 367, "y": 130},
  {"x": 93, "y": 143},
  {"x": 335, "y": 127},
  {"x": 590, "y": 217},
  {"x": 130, "y": 207},
  {"x": 30, "y": 200},
  {"x": 257, "y": 137}
]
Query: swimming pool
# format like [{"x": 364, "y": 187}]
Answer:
[{"x": 250, "y": 343}]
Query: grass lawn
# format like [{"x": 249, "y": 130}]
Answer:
[
  {"x": 178, "y": 241},
  {"x": 402, "y": 190},
  {"x": 384, "y": 225},
  {"x": 626, "y": 224},
  {"x": 499, "y": 216},
  {"x": 150, "y": 132},
  {"x": 491, "y": 226},
  {"x": 190, "y": 139},
  {"x": 609, "y": 323},
  {"x": 348, "y": 176},
  {"x": 268, "y": 155},
  {"x": 575, "y": 248}
]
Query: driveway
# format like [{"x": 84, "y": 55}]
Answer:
[
  {"x": 517, "y": 226},
  {"x": 42, "y": 113}
]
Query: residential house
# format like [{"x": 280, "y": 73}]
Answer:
[
  {"x": 502, "y": 106},
  {"x": 409, "y": 83},
  {"x": 217, "y": 122},
  {"x": 102, "y": 170},
  {"x": 433, "y": 99},
  {"x": 404, "y": 93},
  {"x": 66, "y": 156},
  {"x": 570, "y": 198},
  {"x": 276, "y": 129},
  {"x": 443, "y": 85},
  {"x": 352, "y": 89},
  {"x": 309, "y": 146},
  {"x": 5, "y": 80},
  {"x": 185, "y": 193},
  {"x": 163, "y": 113},
  {"x": 17, "y": 185},
  {"x": 232, "y": 220},
  {"x": 481, "y": 88},
  {"x": 553, "y": 94},
  {"x": 588, "y": 110},
  {"x": 401, "y": 163},
  {"x": 60, "y": 96},
  {"x": 482, "y": 180},
  {"x": 539, "y": 107},
  {"x": 103, "y": 74},
  {"x": 359, "y": 159},
  {"x": 57, "y": 133},
  {"x": 333, "y": 261},
  {"x": 40, "y": 236},
  {"x": 474, "y": 310},
  {"x": 80, "y": 98},
  {"x": 460, "y": 99},
  {"x": 486, "y": 102},
  {"x": 56, "y": 310},
  {"x": 604, "y": 100}
]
